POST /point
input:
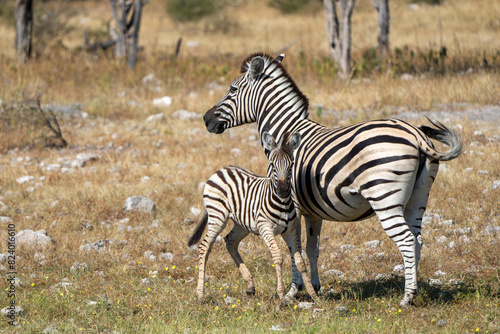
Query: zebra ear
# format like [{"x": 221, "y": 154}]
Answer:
[
  {"x": 295, "y": 141},
  {"x": 279, "y": 58},
  {"x": 268, "y": 141},
  {"x": 256, "y": 67}
]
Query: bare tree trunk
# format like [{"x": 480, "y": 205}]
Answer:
[
  {"x": 120, "y": 26},
  {"x": 24, "y": 29},
  {"x": 382, "y": 8},
  {"x": 136, "y": 18},
  {"x": 339, "y": 34}
]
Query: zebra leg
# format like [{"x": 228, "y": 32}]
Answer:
[
  {"x": 394, "y": 224},
  {"x": 215, "y": 227},
  {"x": 297, "y": 282},
  {"x": 313, "y": 229},
  {"x": 290, "y": 237},
  {"x": 267, "y": 233},
  {"x": 233, "y": 239},
  {"x": 416, "y": 206}
]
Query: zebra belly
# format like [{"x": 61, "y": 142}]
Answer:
[
  {"x": 251, "y": 225},
  {"x": 333, "y": 209}
]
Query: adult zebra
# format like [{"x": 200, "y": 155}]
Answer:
[{"x": 382, "y": 167}]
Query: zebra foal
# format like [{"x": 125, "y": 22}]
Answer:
[
  {"x": 256, "y": 204},
  {"x": 382, "y": 167}
]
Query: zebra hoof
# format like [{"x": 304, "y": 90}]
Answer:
[
  {"x": 250, "y": 292},
  {"x": 406, "y": 302},
  {"x": 292, "y": 292}
]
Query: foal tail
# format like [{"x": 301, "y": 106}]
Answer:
[
  {"x": 198, "y": 232},
  {"x": 444, "y": 135}
]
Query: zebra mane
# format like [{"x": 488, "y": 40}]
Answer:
[
  {"x": 285, "y": 147},
  {"x": 269, "y": 64}
]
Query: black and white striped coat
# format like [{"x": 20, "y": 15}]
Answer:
[
  {"x": 383, "y": 167},
  {"x": 256, "y": 204}
]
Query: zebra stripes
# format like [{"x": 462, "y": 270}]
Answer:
[
  {"x": 256, "y": 204},
  {"x": 382, "y": 167}
]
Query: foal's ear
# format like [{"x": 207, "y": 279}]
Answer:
[
  {"x": 295, "y": 141},
  {"x": 268, "y": 141},
  {"x": 256, "y": 67},
  {"x": 279, "y": 58}
]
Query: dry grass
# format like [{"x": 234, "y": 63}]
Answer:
[{"x": 189, "y": 155}]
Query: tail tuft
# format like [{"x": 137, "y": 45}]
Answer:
[
  {"x": 446, "y": 136},
  {"x": 198, "y": 232}
]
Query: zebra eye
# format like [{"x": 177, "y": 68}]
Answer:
[{"x": 233, "y": 89}]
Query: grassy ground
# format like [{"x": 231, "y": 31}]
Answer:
[{"x": 84, "y": 205}]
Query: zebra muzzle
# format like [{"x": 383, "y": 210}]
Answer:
[{"x": 212, "y": 122}]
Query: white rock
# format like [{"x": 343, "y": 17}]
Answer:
[
  {"x": 156, "y": 117},
  {"x": 151, "y": 79},
  {"x": 229, "y": 300},
  {"x": 195, "y": 211},
  {"x": 98, "y": 246},
  {"x": 373, "y": 244},
  {"x": 83, "y": 158},
  {"x": 147, "y": 254},
  {"x": 190, "y": 44},
  {"x": 442, "y": 239},
  {"x": 139, "y": 203},
  {"x": 165, "y": 101},
  {"x": 464, "y": 239},
  {"x": 382, "y": 277},
  {"x": 399, "y": 268},
  {"x": 341, "y": 309},
  {"x": 5, "y": 220},
  {"x": 25, "y": 179},
  {"x": 36, "y": 239},
  {"x": 335, "y": 272},
  {"x": 318, "y": 312},
  {"x": 92, "y": 303},
  {"x": 345, "y": 248},
  {"x": 277, "y": 328},
  {"x": 305, "y": 305},
  {"x": 407, "y": 77},
  {"x": 63, "y": 285},
  {"x": 439, "y": 273},
  {"x": 434, "y": 282},
  {"x": 446, "y": 223},
  {"x": 185, "y": 115},
  {"x": 39, "y": 256},
  {"x": 167, "y": 256},
  {"x": 50, "y": 330},
  {"x": 496, "y": 184},
  {"x": 53, "y": 168},
  {"x": 491, "y": 230},
  {"x": 16, "y": 311}
]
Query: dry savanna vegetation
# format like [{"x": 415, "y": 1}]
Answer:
[{"x": 109, "y": 270}]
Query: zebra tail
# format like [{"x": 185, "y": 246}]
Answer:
[
  {"x": 446, "y": 136},
  {"x": 198, "y": 232}
]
